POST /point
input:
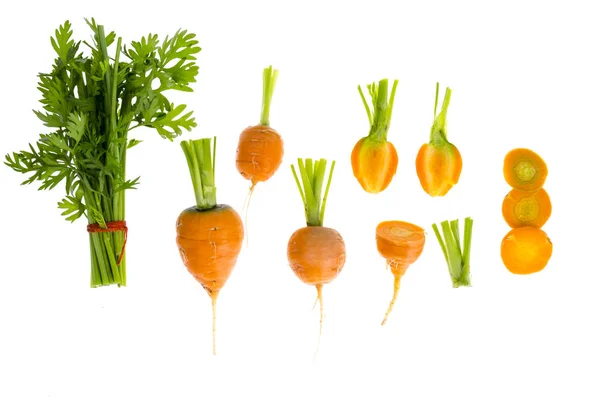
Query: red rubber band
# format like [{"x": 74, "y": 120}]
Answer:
[{"x": 111, "y": 227}]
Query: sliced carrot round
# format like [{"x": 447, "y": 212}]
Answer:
[
  {"x": 524, "y": 169},
  {"x": 522, "y": 208},
  {"x": 526, "y": 250}
]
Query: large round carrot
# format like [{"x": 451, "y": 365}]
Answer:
[
  {"x": 315, "y": 253},
  {"x": 401, "y": 244},
  {"x": 524, "y": 169},
  {"x": 374, "y": 159},
  {"x": 260, "y": 147},
  {"x": 209, "y": 236},
  {"x": 526, "y": 250},
  {"x": 439, "y": 162},
  {"x": 526, "y": 208}
]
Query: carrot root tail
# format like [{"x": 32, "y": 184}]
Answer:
[
  {"x": 245, "y": 212},
  {"x": 393, "y": 301},
  {"x": 213, "y": 298},
  {"x": 320, "y": 299}
]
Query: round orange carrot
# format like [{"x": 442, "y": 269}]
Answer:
[
  {"x": 401, "y": 244},
  {"x": 374, "y": 159},
  {"x": 526, "y": 250},
  {"x": 260, "y": 147},
  {"x": 524, "y": 169},
  {"x": 209, "y": 236},
  {"x": 315, "y": 253},
  {"x": 526, "y": 208},
  {"x": 439, "y": 162}
]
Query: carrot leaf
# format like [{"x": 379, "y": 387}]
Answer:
[
  {"x": 458, "y": 260},
  {"x": 312, "y": 175},
  {"x": 381, "y": 115},
  {"x": 438, "y": 129}
]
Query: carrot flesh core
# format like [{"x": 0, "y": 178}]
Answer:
[
  {"x": 374, "y": 160},
  {"x": 400, "y": 243},
  {"x": 526, "y": 250},
  {"x": 374, "y": 164},
  {"x": 526, "y": 208},
  {"x": 524, "y": 169},
  {"x": 439, "y": 162}
]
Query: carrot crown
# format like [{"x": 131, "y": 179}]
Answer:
[
  {"x": 269, "y": 80},
  {"x": 200, "y": 157},
  {"x": 438, "y": 130},
  {"x": 381, "y": 114},
  {"x": 458, "y": 259},
  {"x": 312, "y": 174}
]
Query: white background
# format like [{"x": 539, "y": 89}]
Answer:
[{"x": 523, "y": 74}]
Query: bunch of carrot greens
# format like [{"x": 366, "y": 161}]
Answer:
[{"x": 90, "y": 103}]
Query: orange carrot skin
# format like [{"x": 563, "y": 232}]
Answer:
[
  {"x": 438, "y": 167},
  {"x": 259, "y": 153},
  {"x": 526, "y": 250},
  {"x": 209, "y": 243},
  {"x": 374, "y": 164},
  {"x": 316, "y": 254}
]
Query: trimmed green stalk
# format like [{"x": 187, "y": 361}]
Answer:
[
  {"x": 381, "y": 115},
  {"x": 457, "y": 259},
  {"x": 200, "y": 157},
  {"x": 269, "y": 80},
  {"x": 312, "y": 175},
  {"x": 438, "y": 129}
]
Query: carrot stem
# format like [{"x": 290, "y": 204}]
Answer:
[
  {"x": 200, "y": 157},
  {"x": 438, "y": 134},
  {"x": 381, "y": 114},
  {"x": 457, "y": 259},
  {"x": 312, "y": 175},
  {"x": 394, "y": 297},
  {"x": 269, "y": 80}
]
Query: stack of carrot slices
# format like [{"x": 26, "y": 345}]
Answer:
[{"x": 526, "y": 208}]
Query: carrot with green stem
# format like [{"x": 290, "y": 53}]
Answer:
[
  {"x": 401, "y": 244},
  {"x": 315, "y": 253},
  {"x": 209, "y": 235},
  {"x": 439, "y": 162},
  {"x": 374, "y": 159},
  {"x": 457, "y": 258},
  {"x": 260, "y": 147}
]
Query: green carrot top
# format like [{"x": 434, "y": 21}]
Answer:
[
  {"x": 201, "y": 163},
  {"x": 381, "y": 114},
  {"x": 269, "y": 80},
  {"x": 458, "y": 259},
  {"x": 312, "y": 174},
  {"x": 438, "y": 129}
]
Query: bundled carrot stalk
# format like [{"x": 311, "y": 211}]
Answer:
[
  {"x": 401, "y": 244},
  {"x": 374, "y": 159},
  {"x": 91, "y": 103},
  {"x": 315, "y": 253},
  {"x": 209, "y": 235},
  {"x": 458, "y": 258}
]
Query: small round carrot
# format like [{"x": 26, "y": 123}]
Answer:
[
  {"x": 209, "y": 236},
  {"x": 526, "y": 250},
  {"x": 524, "y": 169},
  {"x": 526, "y": 208},
  {"x": 374, "y": 159},
  {"x": 260, "y": 147},
  {"x": 439, "y": 162},
  {"x": 401, "y": 244},
  {"x": 315, "y": 253}
]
